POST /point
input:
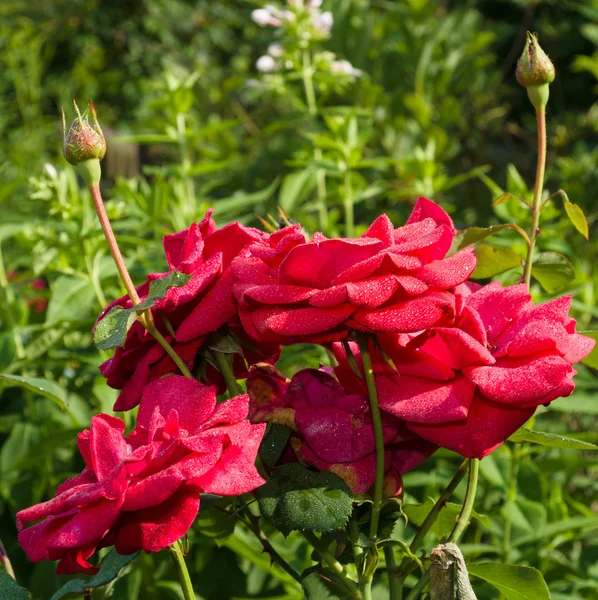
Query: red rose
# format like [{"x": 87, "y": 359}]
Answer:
[
  {"x": 387, "y": 280},
  {"x": 142, "y": 491},
  {"x": 192, "y": 311},
  {"x": 470, "y": 386},
  {"x": 332, "y": 428}
]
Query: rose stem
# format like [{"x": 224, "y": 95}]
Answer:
[
  {"x": 329, "y": 559},
  {"x": 176, "y": 553},
  {"x": 378, "y": 434},
  {"x": 145, "y": 317},
  {"x": 6, "y": 561},
  {"x": 312, "y": 107},
  {"x": 536, "y": 208},
  {"x": 391, "y": 568},
  {"x": 462, "y": 521},
  {"x": 406, "y": 564},
  {"x": 234, "y": 389}
]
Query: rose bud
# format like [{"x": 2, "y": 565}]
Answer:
[{"x": 535, "y": 71}]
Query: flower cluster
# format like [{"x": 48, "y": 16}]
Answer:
[
  {"x": 455, "y": 365},
  {"x": 299, "y": 26}
]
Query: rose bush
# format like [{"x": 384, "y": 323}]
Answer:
[
  {"x": 389, "y": 279},
  {"x": 141, "y": 492}
]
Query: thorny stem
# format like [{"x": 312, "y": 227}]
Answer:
[
  {"x": 462, "y": 521},
  {"x": 227, "y": 372},
  {"x": 176, "y": 553},
  {"x": 536, "y": 208},
  {"x": 407, "y": 564},
  {"x": 145, "y": 317},
  {"x": 329, "y": 559},
  {"x": 255, "y": 528},
  {"x": 312, "y": 107}
]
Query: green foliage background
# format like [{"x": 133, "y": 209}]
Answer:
[{"x": 436, "y": 113}]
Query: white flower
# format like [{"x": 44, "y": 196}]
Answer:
[
  {"x": 323, "y": 21},
  {"x": 266, "y": 64},
  {"x": 261, "y": 16},
  {"x": 345, "y": 67},
  {"x": 276, "y": 50},
  {"x": 50, "y": 170},
  {"x": 314, "y": 4}
]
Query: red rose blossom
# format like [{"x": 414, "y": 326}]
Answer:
[
  {"x": 470, "y": 386},
  {"x": 200, "y": 307},
  {"x": 142, "y": 491},
  {"x": 332, "y": 428},
  {"x": 389, "y": 279}
]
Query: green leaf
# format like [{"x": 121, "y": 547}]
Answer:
[
  {"x": 214, "y": 522},
  {"x": 553, "y": 271},
  {"x": 473, "y": 235},
  {"x": 274, "y": 443},
  {"x": 317, "y": 587},
  {"x": 514, "y": 582},
  {"x": 49, "y": 389},
  {"x": 111, "y": 331},
  {"x": 296, "y": 498},
  {"x": 109, "y": 571},
  {"x": 592, "y": 358},
  {"x": 579, "y": 402},
  {"x": 492, "y": 261},
  {"x": 295, "y": 188},
  {"x": 576, "y": 216},
  {"x": 10, "y": 590},
  {"x": 72, "y": 300},
  {"x": 550, "y": 439}
]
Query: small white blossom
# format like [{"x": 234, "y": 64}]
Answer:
[
  {"x": 51, "y": 170},
  {"x": 266, "y": 64},
  {"x": 261, "y": 16},
  {"x": 323, "y": 21},
  {"x": 345, "y": 67},
  {"x": 276, "y": 50},
  {"x": 314, "y": 4}
]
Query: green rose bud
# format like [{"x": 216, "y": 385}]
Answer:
[
  {"x": 84, "y": 144},
  {"x": 535, "y": 71}
]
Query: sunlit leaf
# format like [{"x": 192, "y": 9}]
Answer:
[
  {"x": 576, "y": 216},
  {"x": 492, "y": 261},
  {"x": 553, "y": 271},
  {"x": 514, "y": 582}
]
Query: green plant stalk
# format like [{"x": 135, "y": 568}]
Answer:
[
  {"x": 145, "y": 318},
  {"x": 234, "y": 389},
  {"x": 329, "y": 559},
  {"x": 536, "y": 208},
  {"x": 348, "y": 202},
  {"x": 378, "y": 433},
  {"x": 391, "y": 568},
  {"x": 406, "y": 565},
  {"x": 462, "y": 521},
  {"x": 176, "y": 553},
  {"x": 511, "y": 496},
  {"x": 181, "y": 126},
  {"x": 9, "y": 300},
  {"x": 312, "y": 107}
]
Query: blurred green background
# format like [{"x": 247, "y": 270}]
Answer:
[{"x": 191, "y": 123}]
